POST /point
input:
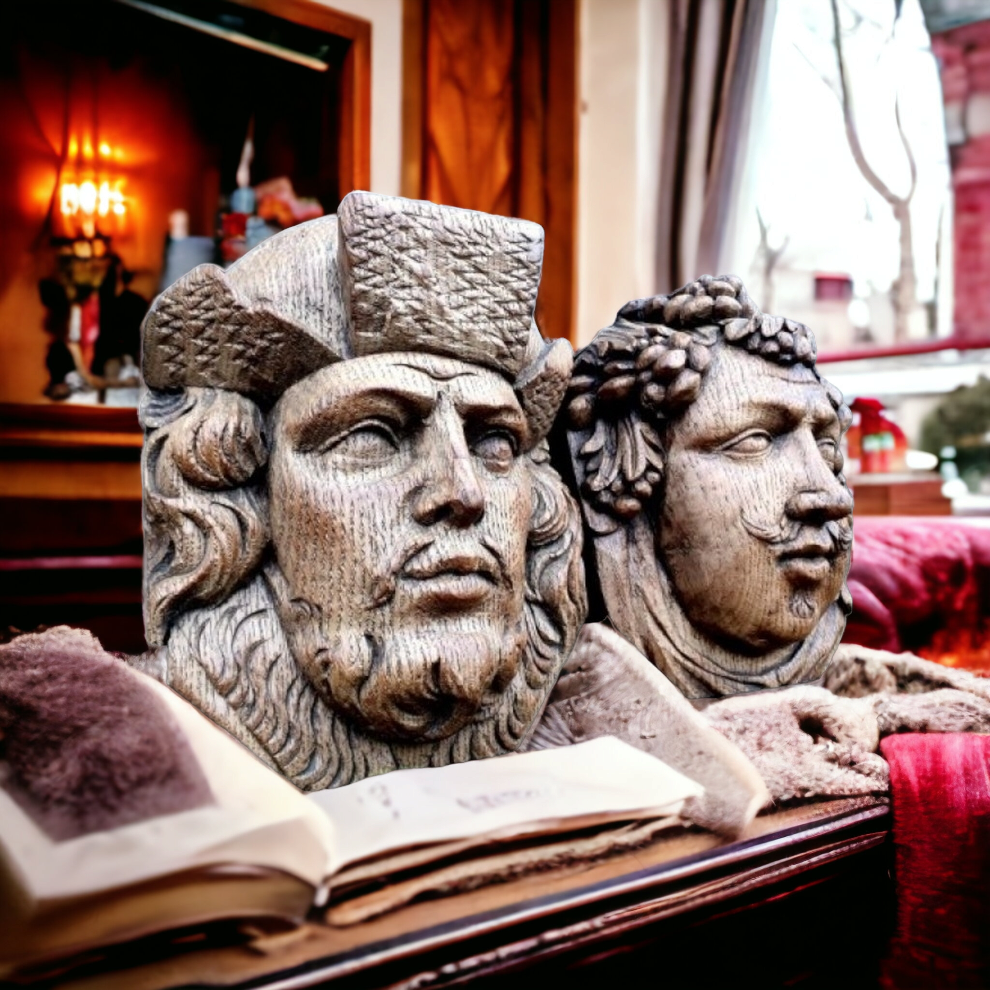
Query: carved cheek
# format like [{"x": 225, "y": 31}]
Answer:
[
  {"x": 701, "y": 535},
  {"x": 507, "y": 515},
  {"x": 772, "y": 483},
  {"x": 695, "y": 504},
  {"x": 332, "y": 534}
]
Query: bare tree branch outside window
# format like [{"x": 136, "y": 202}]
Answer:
[{"x": 904, "y": 289}]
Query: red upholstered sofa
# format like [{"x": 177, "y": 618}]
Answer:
[{"x": 922, "y": 584}]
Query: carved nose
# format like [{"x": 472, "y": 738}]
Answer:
[
  {"x": 452, "y": 494},
  {"x": 820, "y": 505},
  {"x": 451, "y": 489}
]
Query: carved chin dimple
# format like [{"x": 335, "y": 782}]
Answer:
[{"x": 802, "y": 606}]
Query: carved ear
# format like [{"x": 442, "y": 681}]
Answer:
[
  {"x": 201, "y": 333},
  {"x": 541, "y": 385}
]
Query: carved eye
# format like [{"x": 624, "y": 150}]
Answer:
[
  {"x": 749, "y": 444},
  {"x": 368, "y": 444},
  {"x": 497, "y": 449},
  {"x": 831, "y": 452}
]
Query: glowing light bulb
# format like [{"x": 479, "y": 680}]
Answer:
[
  {"x": 87, "y": 197},
  {"x": 69, "y": 198}
]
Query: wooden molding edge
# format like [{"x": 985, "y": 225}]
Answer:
[
  {"x": 354, "y": 162},
  {"x": 413, "y": 77}
]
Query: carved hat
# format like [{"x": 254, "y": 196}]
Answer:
[{"x": 384, "y": 275}]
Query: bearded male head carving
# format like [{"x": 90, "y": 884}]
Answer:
[
  {"x": 706, "y": 448},
  {"x": 357, "y": 555}
]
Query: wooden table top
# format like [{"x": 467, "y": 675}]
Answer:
[{"x": 467, "y": 935}]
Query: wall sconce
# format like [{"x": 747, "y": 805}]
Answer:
[
  {"x": 82, "y": 202},
  {"x": 90, "y": 200}
]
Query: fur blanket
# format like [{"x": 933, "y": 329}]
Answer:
[
  {"x": 823, "y": 741},
  {"x": 84, "y": 744}
]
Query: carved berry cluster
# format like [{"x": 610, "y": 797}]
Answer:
[
  {"x": 648, "y": 367},
  {"x": 723, "y": 301}
]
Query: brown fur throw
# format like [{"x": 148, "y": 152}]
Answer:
[
  {"x": 856, "y": 671},
  {"x": 85, "y": 744},
  {"x": 823, "y": 741},
  {"x": 805, "y": 741}
]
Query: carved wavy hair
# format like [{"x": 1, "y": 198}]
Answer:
[
  {"x": 643, "y": 372},
  {"x": 207, "y": 600}
]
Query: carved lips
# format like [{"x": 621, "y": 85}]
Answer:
[
  {"x": 450, "y": 576},
  {"x": 812, "y": 560}
]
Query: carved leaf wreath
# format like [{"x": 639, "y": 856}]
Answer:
[{"x": 648, "y": 367}]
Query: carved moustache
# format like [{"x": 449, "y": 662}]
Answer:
[
  {"x": 430, "y": 557},
  {"x": 785, "y": 535}
]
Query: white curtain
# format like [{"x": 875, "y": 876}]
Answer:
[{"x": 717, "y": 54}]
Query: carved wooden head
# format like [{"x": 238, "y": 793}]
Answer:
[
  {"x": 703, "y": 437},
  {"x": 357, "y": 554},
  {"x": 407, "y": 611}
]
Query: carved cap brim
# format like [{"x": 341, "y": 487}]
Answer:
[{"x": 200, "y": 332}]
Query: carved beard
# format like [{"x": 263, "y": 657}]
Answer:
[
  {"x": 233, "y": 661},
  {"x": 426, "y": 684}
]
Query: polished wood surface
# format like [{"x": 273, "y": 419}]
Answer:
[
  {"x": 98, "y": 592},
  {"x": 899, "y": 495},
  {"x": 570, "y": 913}
]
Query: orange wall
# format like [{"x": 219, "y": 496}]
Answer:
[{"x": 155, "y": 151}]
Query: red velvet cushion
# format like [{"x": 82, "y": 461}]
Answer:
[
  {"x": 913, "y": 576},
  {"x": 940, "y": 786}
]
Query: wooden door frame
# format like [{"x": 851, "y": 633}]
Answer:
[
  {"x": 562, "y": 140},
  {"x": 354, "y": 162}
]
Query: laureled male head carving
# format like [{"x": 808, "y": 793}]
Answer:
[
  {"x": 706, "y": 448},
  {"x": 358, "y": 556}
]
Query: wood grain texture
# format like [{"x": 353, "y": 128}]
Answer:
[
  {"x": 900, "y": 495},
  {"x": 706, "y": 449},
  {"x": 490, "y": 121},
  {"x": 413, "y": 96},
  {"x": 470, "y": 122},
  {"x": 357, "y": 554},
  {"x": 106, "y": 480}
]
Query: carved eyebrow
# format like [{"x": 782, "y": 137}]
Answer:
[
  {"x": 480, "y": 409},
  {"x": 824, "y": 418},
  {"x": 780, "y": 414},
  {"x": 348, "y": 407},
  {"x": 790, "y": 413},
  {"x": 494, "y": 413}
]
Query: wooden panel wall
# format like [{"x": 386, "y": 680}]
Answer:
[{"x": 490, "y": 122}]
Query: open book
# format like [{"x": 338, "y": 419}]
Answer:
[{"x": 220, "y": 836}]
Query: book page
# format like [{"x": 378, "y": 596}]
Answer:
[
  {"x": 256, "y": 819},
  {"x": 603, "y": 779}
]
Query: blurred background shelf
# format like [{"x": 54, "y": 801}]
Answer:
[{"x": 899, "y": 495}]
